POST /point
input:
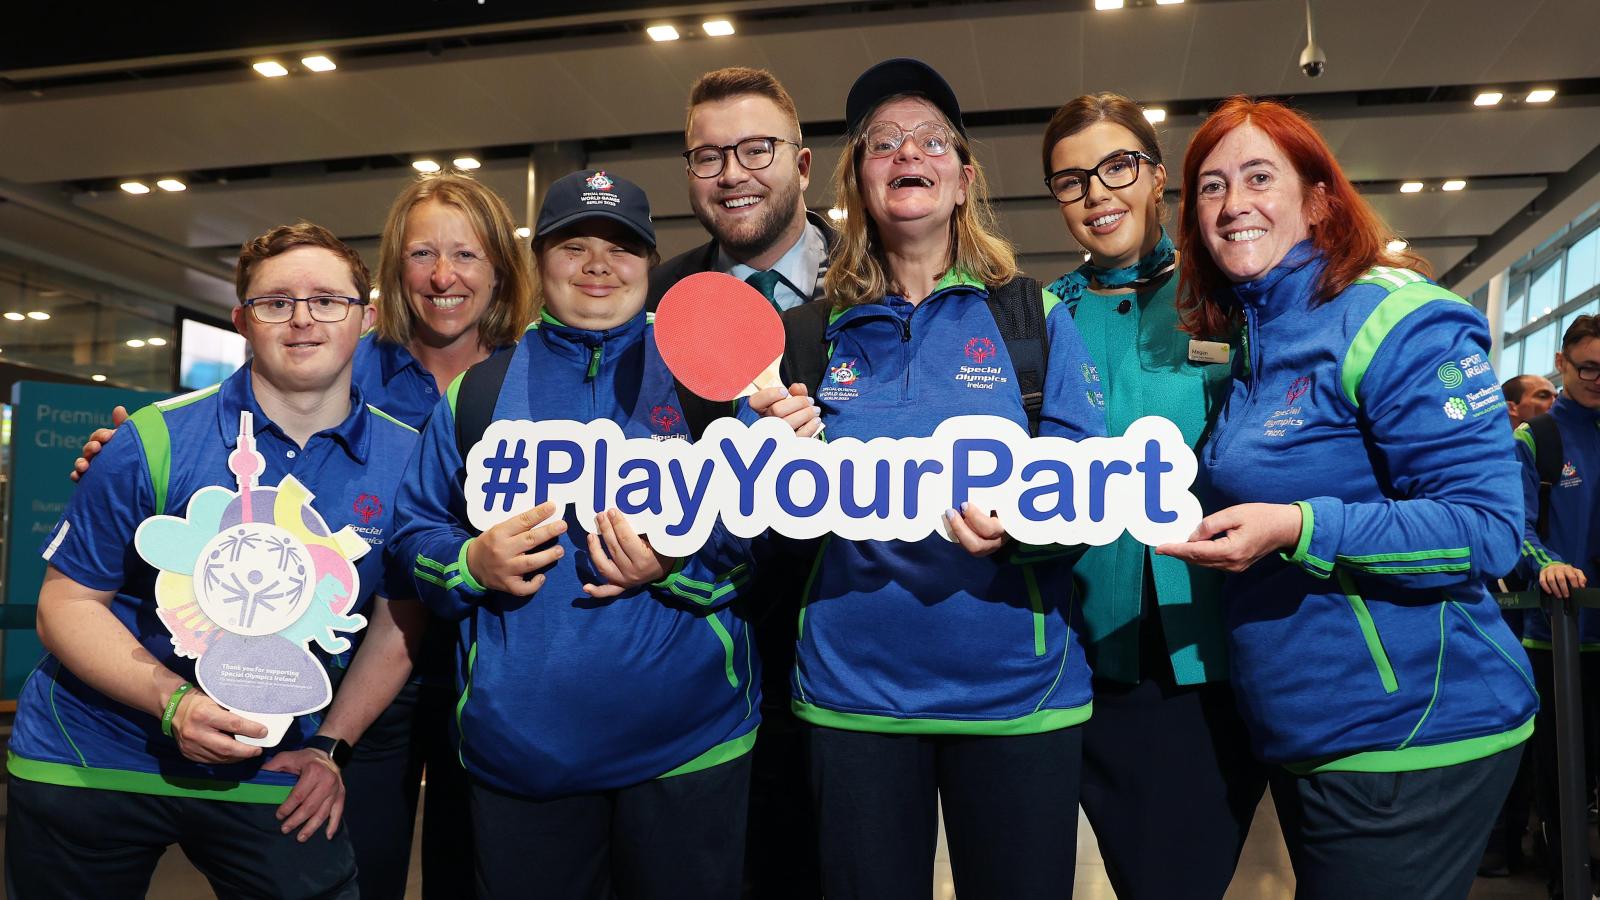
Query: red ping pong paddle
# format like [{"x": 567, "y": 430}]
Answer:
[{"x": 719, "y": 336}]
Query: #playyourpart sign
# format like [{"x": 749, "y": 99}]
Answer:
[
  {"x": 1046, "y": 490},
  {"x": 247, "y": 581}
]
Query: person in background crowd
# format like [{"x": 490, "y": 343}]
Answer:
[
  {"x": 917, "y": 687},
  {"x": 1528, "y": 396},
  {"x": 1561, "y": 553},
  {"x": 747, "y": 170},
  {"x": 1164, "y": 730},
  {"x": 115, "y": 754},
  {"x": 1359, "y": 517}
]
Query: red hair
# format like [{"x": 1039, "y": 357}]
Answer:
[{"x": 1351, "y": 237}]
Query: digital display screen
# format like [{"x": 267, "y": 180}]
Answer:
[{"x": 207, "y": 353}]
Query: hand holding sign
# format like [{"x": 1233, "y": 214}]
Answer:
[{"x": 504, "y": 557}]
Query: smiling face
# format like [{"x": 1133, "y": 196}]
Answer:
[
  {"x": 1251, "y": 204},
  {"x": 750, "y": 212},
  {"x": 303, "y": 355},
  {"x": 1583, "y": 354},
  {"x": 909, "y": 192},
  {"x": 593, "y": 274},
  {"x": 449, "y": 281},
  {"x": 1115, "y": 226}
]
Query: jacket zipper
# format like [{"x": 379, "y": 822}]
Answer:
[{"x": 1252, "y": 344}]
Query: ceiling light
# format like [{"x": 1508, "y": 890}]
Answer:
[
  {"x": 465, "y": 163},
  {"x": 1541, "y": 95},
  {"x": 318, "y": 63},
  {"x": 836, "y": 214},
  {"x": 171, "y": 184},
  {"x": 524, "y": 232},
  {"x": 135, "y": 343},
  {"x": 717, "y": 27},
  {"x": 97, "y": 378},
  {"x": 1168, "y": 2},
  {"x": 1397, "y": 245},
  {"x": 662, "y": 33},
  {"x": 157, "y": 342},
  {"x": 425, "y": 165},
  {"x": 1107, "y": 4},
  {"x": 39, "y": 316},
  {"x": 15, "y": 316},
  {"x": 136, "y": 187},
  {"x": 1156, "y": 115},
  {"x": 1454, "y": 184},
  {"x": 1411, "y": 187},
  {"x": 271, "y": 69},
  {"x": 1488, "y": 98}
]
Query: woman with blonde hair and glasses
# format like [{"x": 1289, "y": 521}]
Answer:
[{"x": 936, "y": 672}]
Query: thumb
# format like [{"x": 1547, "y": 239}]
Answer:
[
  {"x": 119, "y": 414},
  {"x": 236, "y": 724},
  {"x": 1215, "y": 524},
  {"x": 798, "y": 389}
]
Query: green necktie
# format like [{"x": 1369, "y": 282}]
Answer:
[{"x": 767, "y": 283}]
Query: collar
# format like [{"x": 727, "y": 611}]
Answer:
[
  {"x": 1573, "y": 411},
  {"x": 238, "y": 395},
  {"x": 798, "y": 267},
  {"x": 1160, "y": 260},
  {"x": 1291, "y": 281},
  {"x": 392, "y": 358},
  {"x": 560, "y": 336},
  {"x": 896, "y": 306}
]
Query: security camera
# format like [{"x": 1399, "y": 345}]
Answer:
[{"x": 1312, "y": 60}]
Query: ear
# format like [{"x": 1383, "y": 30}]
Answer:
[
  {"x": 369, "y": 317},
  {"x": 1319, "y": 204},
  {"x": 967, "y": 174},
  {"x": 240, "y": 316},
  {"x": 802, "y": 160},
  {"x": 1160, "y": 180}
]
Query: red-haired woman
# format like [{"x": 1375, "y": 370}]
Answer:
[{"x": 1358, "y": 450}]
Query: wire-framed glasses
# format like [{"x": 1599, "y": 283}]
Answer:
[{"x": 275, "y": 309}]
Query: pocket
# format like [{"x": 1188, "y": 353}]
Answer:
[
  {"x": 1036, "y": 604},
  {"x": 726, "y": 640},
  {"x": 1369, "y": 632}
]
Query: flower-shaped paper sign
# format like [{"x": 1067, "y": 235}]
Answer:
[{"x": 248, "y": 579}]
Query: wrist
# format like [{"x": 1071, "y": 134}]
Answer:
[
  {"x": 336, "y": 749},
  {"x": 169, "y": 710}
]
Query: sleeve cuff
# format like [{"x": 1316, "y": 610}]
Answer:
[
  {"x": 1302, "y": 555},
  {"x": 667, "y": 579},
  {"x": 467, "y": 581}
]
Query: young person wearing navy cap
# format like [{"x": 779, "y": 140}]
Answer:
[
  {"x": 609, "y": 695},
  {"x": 115, "y": 754}
]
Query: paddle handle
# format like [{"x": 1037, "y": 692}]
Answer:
[{"x": 769, "y": 378}]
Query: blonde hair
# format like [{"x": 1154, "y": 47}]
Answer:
[
  {"x": 857, "y": 272},
  {"x": 510, "y": 309}
]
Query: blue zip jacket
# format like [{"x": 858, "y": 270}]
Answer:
[
  {"x": 920, "y": 636},
  {"x": 1574, "y": 515},
  {"x": 1374, "y": 645},
  {"x": 563, "y": 694}
]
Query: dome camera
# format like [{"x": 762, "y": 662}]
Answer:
[{"x": 1313, "y": 61}]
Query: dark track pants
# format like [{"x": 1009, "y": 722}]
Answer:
[
  {"x": 1542, "y": 746},
  {"x": 679, "y": 838},
  {"x": 67, "y": 843},
  {"x": 1010, "y": 813},
  {"x": 381, "y": 784},
  {"x": 1385, "y": 835}
]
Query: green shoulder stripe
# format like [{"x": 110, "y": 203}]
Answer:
[
  {"x": 1525, "y": 435},
  {"x": 1051, "y": 301},
  {"x": 388, "y": 418},
  {"x": 453, "y": 390},
  {"x": 1401, "y": 302},
  {"x": 153, "y": 434}
]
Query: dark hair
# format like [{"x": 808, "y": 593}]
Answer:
[
  {"x": 1581, "y": 329},
  {"x": 1081, "y": 112},
  {"x": 284, "y": 238},
  {"x": 1516, "y": 387},
  {"x": 737, "y": 81}
]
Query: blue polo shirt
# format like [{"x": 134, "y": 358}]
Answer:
[
  {"x": 392, "y": 380},
  {"x": 66, "y": 732}
]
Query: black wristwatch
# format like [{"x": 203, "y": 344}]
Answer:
[{"x": 337, "y": 750}]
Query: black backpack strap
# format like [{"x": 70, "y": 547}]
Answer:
[
  {"x": 1018, "y": 308},
  {"x": 474, "y": 407},
  {"x": 1548, "y": 457},
  {"x": 698, "y": 412},
  {"x": 805, "y": 344}
]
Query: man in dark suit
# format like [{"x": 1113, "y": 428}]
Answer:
[{"x": 748, "y": 171}]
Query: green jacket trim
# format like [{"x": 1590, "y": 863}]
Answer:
[
  {"x": 1532, "y": 644},
  {"x": 388, "y": 418},
  {"x": 127, "y": 782},
  {"x": 727, "y": 751},
  {"x": 1402, "y": 301},
  {"x": 1034, "y": 723},
  {"x": 461, "y": 704},
  {"x": 1410, "y": 759},
  {"x": 453, "y": 391},
  {"x": 157, "y": 444},
  {"x": 1369, "y": 634}
]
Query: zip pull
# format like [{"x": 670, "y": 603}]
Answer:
[{"x": 594, "y": 363}]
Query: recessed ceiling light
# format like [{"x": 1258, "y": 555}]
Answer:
[
  {"x": 466, "y": 163},
  {"x": 39, "y": 316},
  {"x": 135, "y": 343},
  {"x": 1454, "y": 184},
  {"x": 1411, "y": 187},
  {"x": 271, "y": 69},
  {"x": 97, "y": 378},
  {"x": 171, "y": 184},
  {"x": 662, "y": 33},
  {"x": 136, "y": 187},
  {"x": 1488, "y": 98},
  {"x": 15, "y": 316},
  {"x": 717, "y": 27},
  {"x": 524, "y": 232},
  {"x": 318, "y": 63},
  {"x": 425, "y": 165},
  {"x": 1397, "y": 245},
  {"x": 157, "y": 342},
  {"x": 1156, "y": 115},
  {"x": 1541, "y": 95},
  {"x": 1107, "y": 4},
  {"x": 1168, "y": 2}
]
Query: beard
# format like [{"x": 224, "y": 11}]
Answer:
[{"x": 754, "y": 236}]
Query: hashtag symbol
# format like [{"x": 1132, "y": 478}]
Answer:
[{"x": 505, "y": 471}]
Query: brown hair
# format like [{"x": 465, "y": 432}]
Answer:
[
  {"x": 856, "y": 269},
  {"x": 1349, "y": 235},
  {"x": 284, "y": 238},
  {"x": 511, "y": 308},
  {"x": 737, "y": 81},
  {"x": 1079, "y": 113},
  {"x": 1581, "y": 329}
]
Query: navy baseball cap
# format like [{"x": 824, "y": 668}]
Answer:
[
  {"x": 900, "y": 76},
  {"x": 592, "y": 193}
]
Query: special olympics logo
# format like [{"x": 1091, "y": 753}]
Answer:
[
  {"x": 368, "y": 507},
  {"x": 980, "y": 349},
  {"x": 599, "y": 181},
  {"x": 844, "y": 373},
  {"x": 1450, "y": 376},
  {"x": 1298, "y": 388},
  {"x": 665, "y": 418}
]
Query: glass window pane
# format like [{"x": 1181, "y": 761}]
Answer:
[
  {"x": 1542, "y": 292},
  {"x": 1581, "y": 264},
  {"x": 1517, "y": 305},
  {"x": 1539, "y": 351},
  {"x": 1510, "y": 361},
  {"x": 1588, "y": 309}
]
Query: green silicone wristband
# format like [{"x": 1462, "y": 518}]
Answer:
[{"x": 172, "y": 707}]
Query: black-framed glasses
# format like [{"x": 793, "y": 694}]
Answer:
[
  {"x": 753, "y": 153},
  {"x": 276, "y": 309},
  {"x": 1116, "y": 171},
  {"x": 1587, "y": 373},
  {"x": 884, "y": 138}
]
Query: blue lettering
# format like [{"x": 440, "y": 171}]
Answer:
[
  {"x": 1099, "y": 473},
  {"x": 914, "y": 472},
  {"x": 785, "y": 486},
  {"x": 543, "y": 477},
  {"x": 689, "y": 500},
  {"x": 649, "y": 485},
  {"x": 1028, "y": 503},
  {"x": 880, "y": 490},
  {"x": 746, "y": 475},
  {"x": 599, "y": 495},
  {"x": 1152, "y": 469},
  {"x": 962, "y": 481}
]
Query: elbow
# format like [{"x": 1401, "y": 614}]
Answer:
[{"x": 1502, "y": 545}]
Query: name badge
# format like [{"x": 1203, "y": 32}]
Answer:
[{"x": 1207, "y": 351}]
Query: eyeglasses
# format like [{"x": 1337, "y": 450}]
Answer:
[
  {"x": 884, "y": 138},
  {"x": 1587, "y": 373},
  {"x": 1116, "y": 171},
  {"x": 754, "y": 154},
  {"x": 277, "y": 309}
]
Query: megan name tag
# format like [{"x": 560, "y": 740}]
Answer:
[{"x": 1207, "y": 351}]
